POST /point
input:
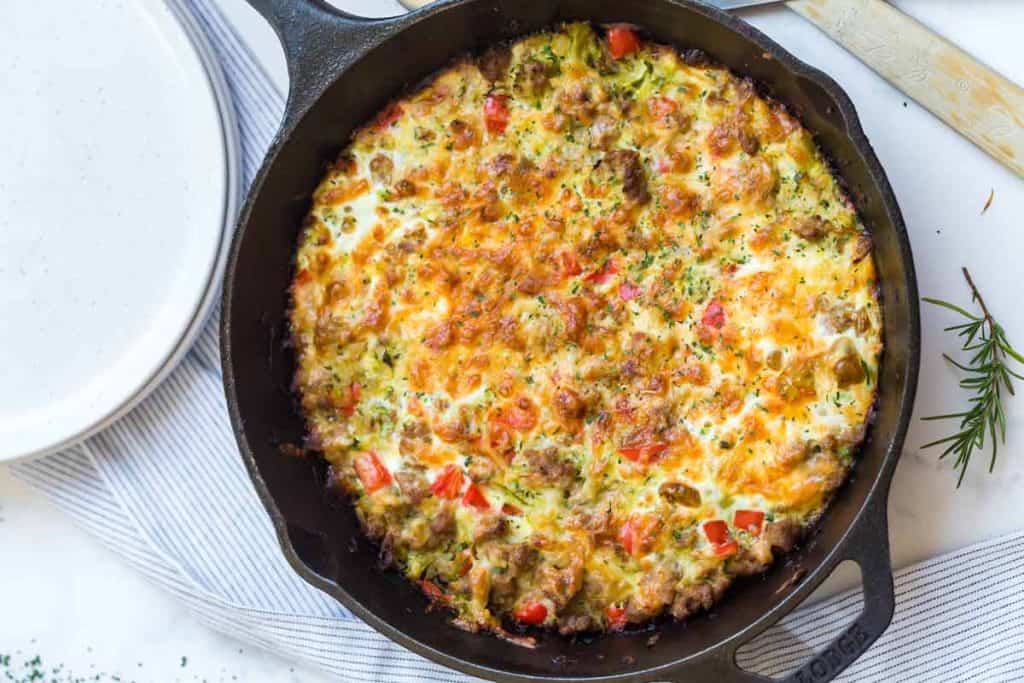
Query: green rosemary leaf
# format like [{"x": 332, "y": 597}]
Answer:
[
  {"x": 951, "y": 416},
  {"x": 1007, "y": 349},
  {"x": 940, "y": 441},
  {"x": 946, "y": 304}
]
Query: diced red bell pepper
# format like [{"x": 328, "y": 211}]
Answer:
[
  {"x": 449, "y": 483},
  {"x": 496, "y": 113},
  {"x": 622, "y": 40},
  {"x": 531, "y": 613},
  {"x": 354, "y": 392},
  {"x": 643, "y": 452},
  {"x": 475, "y": 498},
  {"x": 714, "y": 315},
  {"x": 749, "y": 520},
  {"x": 616, "y": 617},
  {"x": 727, "y": 548},
  {"x": 628, "y": 291},
  {"x": 604, "y": 273},
  {"x": 717, "y": 532},
  {"x": 511, "y": 510},
  {"x": 371, "y": 471},
  {"x": 637, "y": 534},
  {"x": 627, "y": 536},
  {"x": 432, "y": 591}
]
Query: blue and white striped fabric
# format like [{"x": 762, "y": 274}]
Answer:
[{"x": 165, "y": 489}]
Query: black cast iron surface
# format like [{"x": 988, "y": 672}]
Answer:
[{"x": 344, "y": 69}]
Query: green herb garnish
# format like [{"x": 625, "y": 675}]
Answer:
[{"x": 987, "y": 375}]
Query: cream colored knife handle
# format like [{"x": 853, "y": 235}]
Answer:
[{"x": 976, "y": 101}]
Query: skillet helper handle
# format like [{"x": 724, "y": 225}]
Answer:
[
  {"x": 980, "y": 104},
  {"x": 868, "y": 546},
  {"x": 319, "y": 41}
]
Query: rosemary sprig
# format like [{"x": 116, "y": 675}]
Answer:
[{"x": 987, "y": 375}]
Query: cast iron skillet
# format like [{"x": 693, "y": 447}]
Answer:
[{"x": 343, "y": 70}]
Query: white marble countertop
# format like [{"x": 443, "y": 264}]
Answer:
[{"x": 68, "y": 600}]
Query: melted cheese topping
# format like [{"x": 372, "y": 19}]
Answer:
[{"x": 584, "y": 332}]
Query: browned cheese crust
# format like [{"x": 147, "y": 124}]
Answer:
[{"x": 586, "y": 329}]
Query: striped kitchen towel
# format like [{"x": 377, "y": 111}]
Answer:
[{"x": 165, "y": 489}]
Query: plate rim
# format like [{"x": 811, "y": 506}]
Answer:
[{"x": 231, "y": 146}]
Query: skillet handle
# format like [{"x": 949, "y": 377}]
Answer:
[
  {"x": 319, "y": 41},
  {"x": 868, "y": 546}
]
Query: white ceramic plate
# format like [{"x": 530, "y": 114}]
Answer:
[{"x": 118, "y": 183}]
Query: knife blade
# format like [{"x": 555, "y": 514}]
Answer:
[
  {"x": 720, "y": 4},
  {"x": 739, "y": 4}
]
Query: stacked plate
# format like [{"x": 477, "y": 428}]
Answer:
[{"x": 119, "y": 184}]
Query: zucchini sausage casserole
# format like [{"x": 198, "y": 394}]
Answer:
[{"x": 586, "y": 329}]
